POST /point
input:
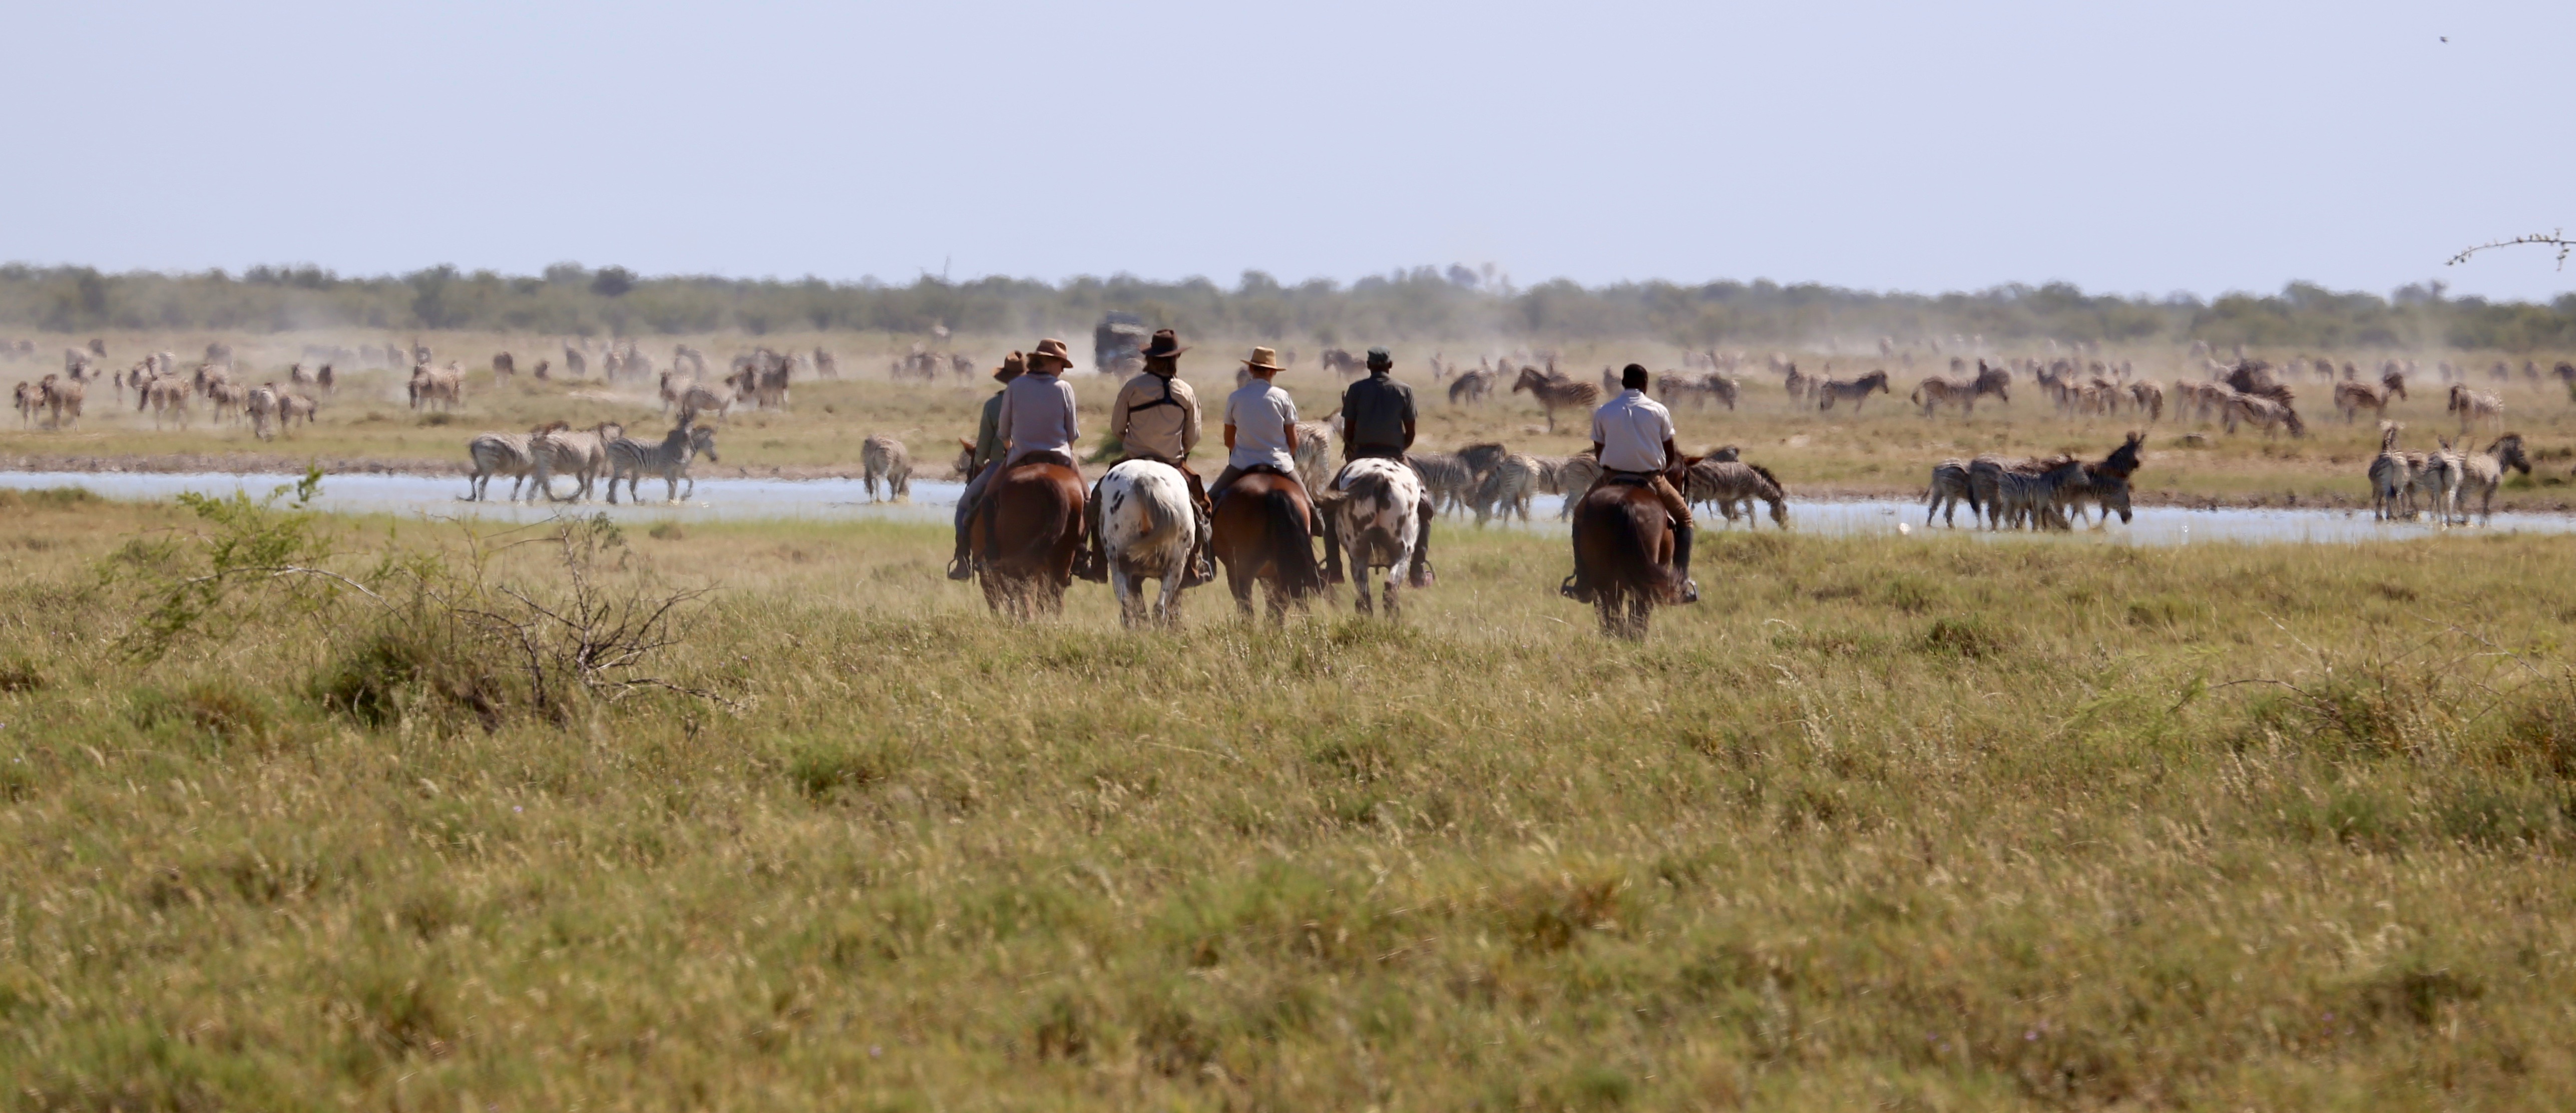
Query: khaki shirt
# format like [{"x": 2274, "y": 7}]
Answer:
[{"x": 1148, "y": 426}]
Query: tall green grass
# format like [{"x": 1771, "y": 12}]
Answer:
[{"x": 1938, "y": 824}]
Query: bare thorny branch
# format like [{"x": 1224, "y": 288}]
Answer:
[{"x": 2556, "y": 238}]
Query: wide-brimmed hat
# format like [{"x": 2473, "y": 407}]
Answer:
[
  {"x": 1263, "y": 359},
  {"x": 1165, "y": 345},
  {"x": 1049, "y": 348},
  {"x": 1013, "y": 366}
]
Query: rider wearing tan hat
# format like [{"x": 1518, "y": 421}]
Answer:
[
  {"x": 1260, "y": 425},
  {"x": 1156, "y": 417}
]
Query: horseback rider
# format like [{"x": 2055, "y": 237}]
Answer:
[
  {"x": 1036, "y": 418},
  {"x": 1378, "y": 423},
  {"x": 1156, "y": 417},
  {"x": 1260, "y": 426},
  {"x": 983, "y": 460},
  {"x": 1632, "y": 437}
]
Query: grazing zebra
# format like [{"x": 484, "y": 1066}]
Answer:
[
  {"x": 2392, "y": 478},
  {"x": 1857, "y": 390},
  {"x": 579, "y": 453},
  {"x": 1555, "y": 392},
  {"x": 1734, "y": 485},
  {"x": 1673, "y": 388},
  {"x": 1507, "y": 489},
  {"x": 1950, "y": 488},
  {"x": 1471, "y": 387},
  {"x": 1447, "y": 478},
  {"x": 2264, "y": 413},
  {"x": 502, "y": 454},
  {"x": 2482, "y": 472},
  {"x": 887, "y": 461},
  {"x": 632, "y": 460},
  {"x": 2474, "y": 406},
  {"x": 1147, "y": 532},
  {"x": 2352, "y": 398}
]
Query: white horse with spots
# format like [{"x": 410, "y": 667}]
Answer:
[
  {"x": 1147, "y": 532},
  {"x": 1374, "y": 513}
]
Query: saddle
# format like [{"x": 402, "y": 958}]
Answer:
[
  {"x": 1268, "y": 469},
  {"x": 1047, "y": 456},
  {"x": 1628, "y": 478}
]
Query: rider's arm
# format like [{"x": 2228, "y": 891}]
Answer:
[
  {"x": 1672, "y": 455},
  {"x": 1290, "y": 431},
  {"x": 1189, "y": 421},
  {"x": 1002, "y": 423},
  {"x": 1229, "y": 436},
  {"x": 1118, "y": 416}
]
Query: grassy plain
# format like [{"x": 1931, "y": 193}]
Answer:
[
  {"x": 2044, "y": 823},
  {"x": 1885, "y": 450}
]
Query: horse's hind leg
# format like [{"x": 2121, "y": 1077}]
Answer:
[{"x": 1129, "y": 598}]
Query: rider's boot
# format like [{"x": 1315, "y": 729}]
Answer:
[
  {"x": 1420, "y": 575},
  {"x": 1575, "y": 586},
  {"x": 1202, "y": 570},
  {"x": 1681, "y": 563},
  {"x": 960, "y": 567}
]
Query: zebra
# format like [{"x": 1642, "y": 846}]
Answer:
[
  {"x": 2475, "y": 405},
  {"x": 2441, "y": 474},
  {"x": 1448, "y": 479},
  {"x": 1949, "y": 489},
  {"x": 1734, "y": 485},
  {"x": 1507, "y": 489},
  {"x": 504, "y": 366},
  {"x": 2392, "y": 478},
  {"x": 502, "y": 454},
  {"x": 444, "y": 388},
  {"x": 261, "y": 405},
  {"x": 65, "y": 394},
  {"x": 1571, "y": 476},
  {"x": 580, "y": 453},
  {"x": 1857, "y": 390},
  {"x": 2149, "y": 397},
  {"x": 1555, "y": 392},
  {"x": 632, "y": 460},
  {"x": 2261, "y": 411},
  {"x": 1314, "y": 454},
  {"x": 30, "y": 399},
  {"x": 1471, "y": 387},
  {"x": 292, "y": 407},
  {"x": 2480, "y": 473},
  {"x": 2352, "y": 398},
  {"x": 886, "y": 460}
]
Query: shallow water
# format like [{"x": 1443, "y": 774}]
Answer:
[{"x": 932, "y": 500}]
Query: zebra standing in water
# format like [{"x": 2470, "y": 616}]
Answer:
[{"x": 632, "y": 460}]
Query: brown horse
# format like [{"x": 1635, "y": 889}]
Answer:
[
  {"x": 1625, "y": 540},
  {"x": 1029, "y": 530},
  {"x": 1264, "y": 534}
]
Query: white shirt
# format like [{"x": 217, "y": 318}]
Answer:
[
  {"x": 1631, "y": 430},
  {"x": 1037, "y": 416},
  {"x": 1261, "y": 414}
]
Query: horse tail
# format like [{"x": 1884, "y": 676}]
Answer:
[{"x": 1298, "y": 574}]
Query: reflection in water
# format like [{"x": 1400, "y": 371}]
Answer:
[{"x": 829, "y": 499}]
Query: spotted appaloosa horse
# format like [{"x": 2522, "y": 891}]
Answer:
[
  {"x": 1374, "y": 516},
  {"x": 1029, "y": 529},
  {"x": 1624, "y": 538},
  {"x": 1263, "y": 536},
  {"x": 1147, "y": 532}
]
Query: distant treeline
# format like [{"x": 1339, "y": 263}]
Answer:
[{"x": 1421, "y": 304}]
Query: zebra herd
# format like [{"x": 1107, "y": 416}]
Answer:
[
  {"x": 169, "y": 396},
  {"x": 2445, "y": 477},
  {"x": 1490, "y": 481},
  {"x": 534, "y": 458},
  {"x": 2034, "y": 492}
]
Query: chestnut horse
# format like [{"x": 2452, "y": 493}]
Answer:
[
  {"x": 1263, "y": 535},
  {"x": 1624, "y": 538},
  {"x": 1029, "y": 530}
]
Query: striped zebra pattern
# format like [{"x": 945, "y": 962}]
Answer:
[{"x": 631, "y": 460}]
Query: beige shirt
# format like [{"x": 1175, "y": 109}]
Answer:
[{"x": 1147, "y": 426}]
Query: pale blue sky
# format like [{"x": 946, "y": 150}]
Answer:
[{"x": 2177, "y": 145}]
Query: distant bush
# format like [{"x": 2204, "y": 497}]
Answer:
[{"x": 1422, "y": 303}]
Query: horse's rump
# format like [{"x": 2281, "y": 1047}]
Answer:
[
  {"x": 1623, "y": 536},
  {"x": 1264, "y": 522},
  {"x": 1032, "y": 519}
]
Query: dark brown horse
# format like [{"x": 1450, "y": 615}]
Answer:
[
  {"x": 1624, "y": 538},
  {"x": 1029, "y": 531},
  {"x": 1263, "y": 534}
]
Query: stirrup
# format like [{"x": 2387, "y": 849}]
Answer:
[
  {"x": 1420, "y": 576},
  {"x": 962, "y": 568},
  {"x": 1580, "y": 593},
  {"x": 1690, "y": 591}
]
